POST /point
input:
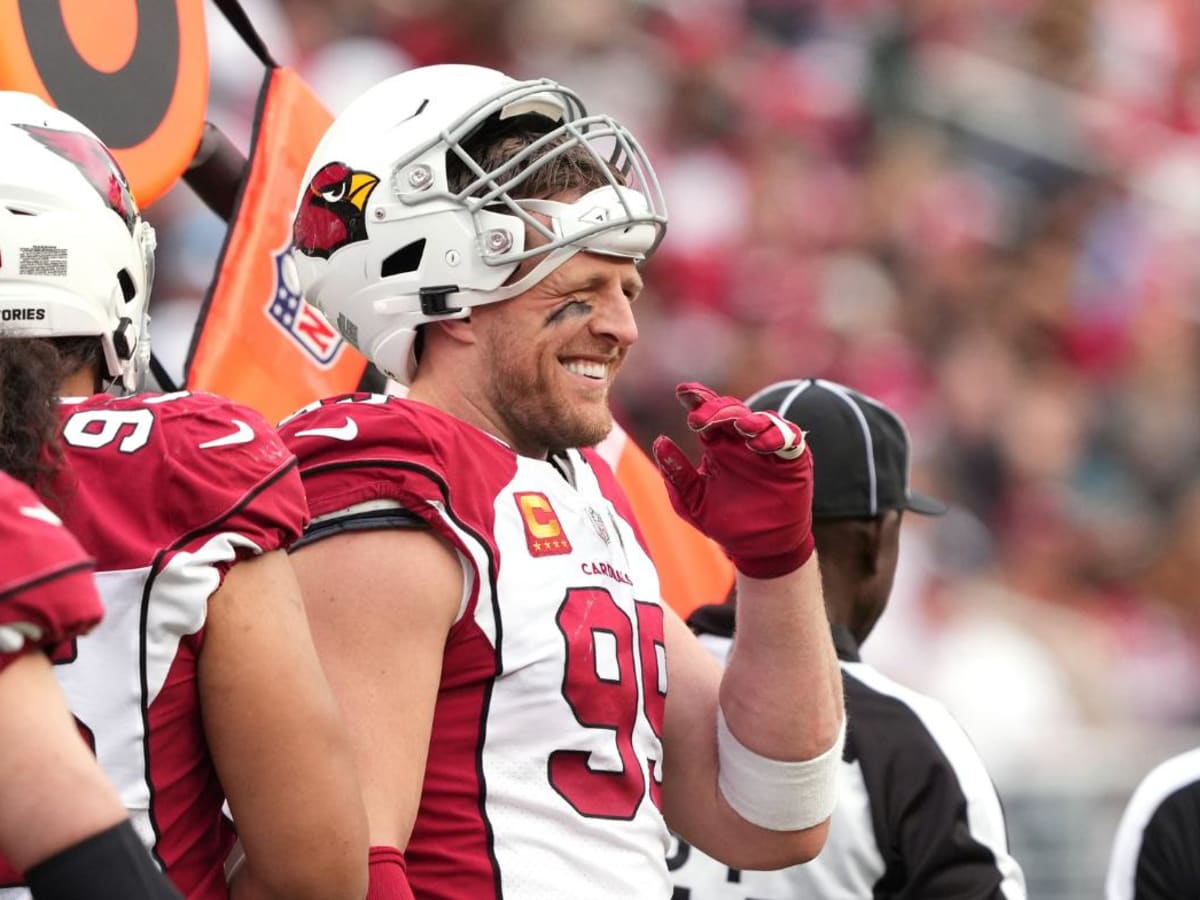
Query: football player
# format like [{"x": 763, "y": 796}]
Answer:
[
  {"x": 201, "y": 683},
  {"x": 61, "y": 822},
  {"x": 478, "y": 588}
]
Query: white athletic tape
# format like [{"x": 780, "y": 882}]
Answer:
[{"x": 777, "y": 795}]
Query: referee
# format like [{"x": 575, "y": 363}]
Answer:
[
  {"x": 1156, "y": 853},
  {"x": 917, "y": 816}
]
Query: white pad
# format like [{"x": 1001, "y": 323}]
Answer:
[{"x": 777, "y": 795}]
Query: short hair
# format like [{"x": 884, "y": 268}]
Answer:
[{"x": 499, "y": 140}]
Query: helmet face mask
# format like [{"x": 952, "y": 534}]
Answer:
[
  {"x": 76, "y": 258},
  {"x": 411, "y": 247}
]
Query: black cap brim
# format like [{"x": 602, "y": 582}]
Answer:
[{"x": 925, "y": 505}]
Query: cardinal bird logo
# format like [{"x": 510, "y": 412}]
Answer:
[
  {"x": 332, "y": 213},
  {"x": 94, "y": 162}
]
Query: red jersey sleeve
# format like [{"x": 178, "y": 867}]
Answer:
[
  {"x": 361, "y": 447},
  {"x": 47, "y": 594},
  {"x": 230, "y": 457},
  {"x": 174, "y": 471}
]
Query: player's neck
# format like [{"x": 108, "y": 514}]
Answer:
[
  {"x": 80, "y": 383},
  {"x": 470, "y": 408}
]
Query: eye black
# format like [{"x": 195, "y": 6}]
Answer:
[{"x": 570, "y": 308}]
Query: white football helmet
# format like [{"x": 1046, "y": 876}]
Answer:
[
  {"x": 381, "y": 243},
  {"x": 76, "y": 257}
]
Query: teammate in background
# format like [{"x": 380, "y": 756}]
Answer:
[
  {"x": 917, "y": 816},
  {"x": 201, "y": 683},
  {"x": 1154, "y": 855},
  {"x": 478, "y": 590},
  {"x": 60, "y": 820}
]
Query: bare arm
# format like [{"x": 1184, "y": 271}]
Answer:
[
  {"x": 381, "y": 604},
  {"x": 781, "y": 693},
  {"x": 278, "y": 742},
  {"x": 52, "y": 793},
  {"x": 782, "y": 697}
]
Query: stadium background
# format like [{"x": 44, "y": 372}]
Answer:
[{"x": 984, "y": 212}]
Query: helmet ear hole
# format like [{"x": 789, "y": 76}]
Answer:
[
  {"x": 128, "y": 288},
  {"x": 406, "y": 259}
]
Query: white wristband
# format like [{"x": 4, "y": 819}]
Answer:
[{"x": 773, "y": 794}]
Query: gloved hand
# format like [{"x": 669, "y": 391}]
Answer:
[{"x": 752, "y": 492}]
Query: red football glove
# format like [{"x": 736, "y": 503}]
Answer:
[{"x": 752, "y": 492}]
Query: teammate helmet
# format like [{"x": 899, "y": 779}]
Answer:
[
  {"x": 76, "y": 258},
  {"x": 383, "y": 243}
]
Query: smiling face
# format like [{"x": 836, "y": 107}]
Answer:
[{"x": 551, "y": 353}]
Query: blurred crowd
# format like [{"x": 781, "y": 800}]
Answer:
[{"x": 984, "y": 212}]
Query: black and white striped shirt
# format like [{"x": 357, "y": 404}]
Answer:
[
  {"x": 917, "y": 817},
  {"x": 1156, "y": 853}
]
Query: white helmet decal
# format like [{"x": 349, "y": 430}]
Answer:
[
  {"x": 94, "y": 162},
  {"x": 332, "y": 212}
]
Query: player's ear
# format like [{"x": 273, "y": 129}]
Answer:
[{"x": 460, "y": 330}]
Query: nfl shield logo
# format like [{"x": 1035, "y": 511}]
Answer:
[
  {"x": 598, "y": 523},
  {"x": 297, "y": 319}
]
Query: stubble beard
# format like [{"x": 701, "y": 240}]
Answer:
[{"x": 536, "y": 415}]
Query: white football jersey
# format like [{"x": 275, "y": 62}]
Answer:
[{"x": 545, "y": 763}]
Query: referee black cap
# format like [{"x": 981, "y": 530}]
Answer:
[{"x": 860, "y": 449}]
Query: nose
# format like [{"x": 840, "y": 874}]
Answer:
[{"x": 614, "y": 318}]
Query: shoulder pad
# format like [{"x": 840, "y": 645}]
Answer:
[
  {"x": 179, "y": 467},
  {"x": 360, "y": 447}
]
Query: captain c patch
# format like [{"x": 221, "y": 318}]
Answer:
[{"x": 543, "y": 532}]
